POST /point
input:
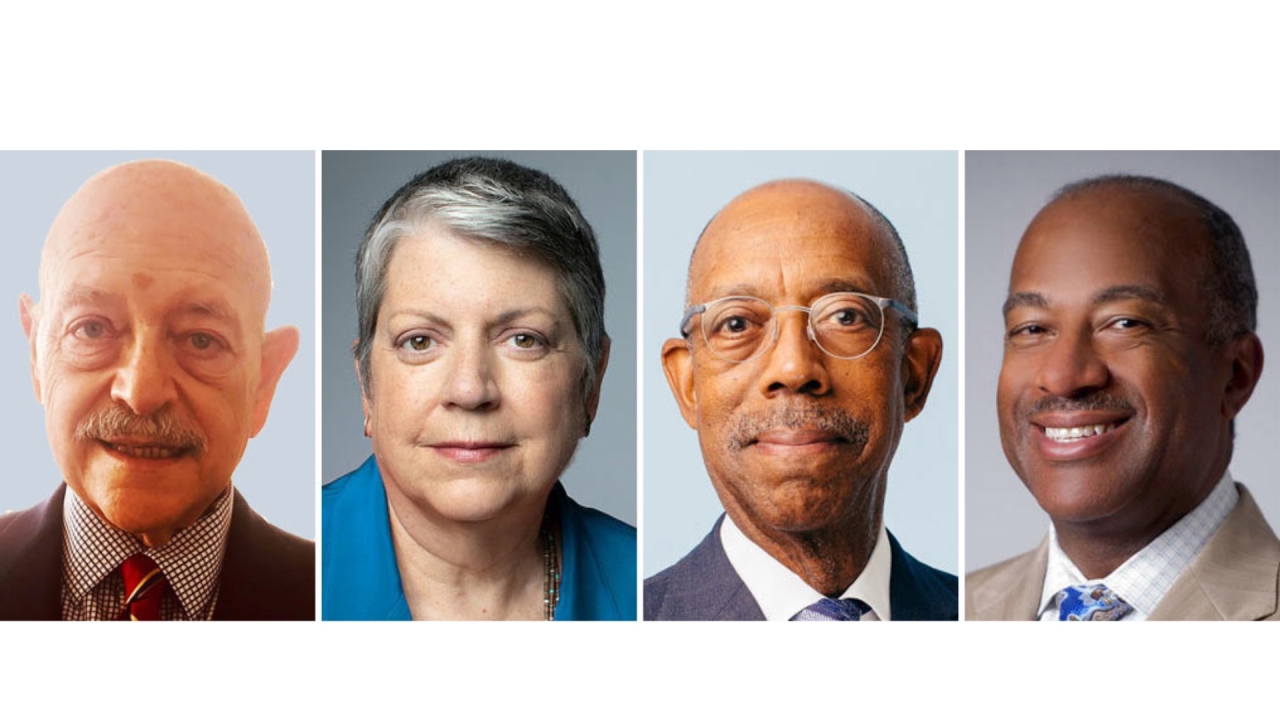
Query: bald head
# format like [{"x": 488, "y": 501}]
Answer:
[
  {"x": 806, "y": 208},
  {"x": 148, "y": 349},
  {"x": 163, "y": 210}
]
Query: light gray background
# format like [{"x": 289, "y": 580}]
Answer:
[
  {"x": 277, "y": 473},
  {"x": 918, "y": 192},
  {"x": 603, "y": 184},
  {"x": 1003, "y": 192}
]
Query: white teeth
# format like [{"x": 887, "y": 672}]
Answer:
[
  {"x": 146, "y": 452},
  {"x": 1074, "y": 434}
]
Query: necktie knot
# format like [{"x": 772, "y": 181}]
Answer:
[
  {"x": 143, "y": 586},
  {"x": 829, "y": 609},
  {"x": 1091, "y": 602}
]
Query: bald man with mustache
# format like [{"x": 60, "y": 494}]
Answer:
[
  {"x": 149, "y": 354},
  {"x": 799, "y": 362}
]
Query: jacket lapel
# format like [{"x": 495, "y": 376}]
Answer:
[
  {"x": 31, "y": 574},
  {"x": 1235, "y": 577},
  {"x": 1009, "y": 591}
]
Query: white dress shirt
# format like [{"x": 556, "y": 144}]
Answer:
[
  {"x": 781, "y": 593},
  {"x": 1145, "y": 577}
]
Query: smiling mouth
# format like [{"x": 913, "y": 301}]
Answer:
[
  {"x": 145, "y": 452},
  {"x": 1076, "y": 434}
]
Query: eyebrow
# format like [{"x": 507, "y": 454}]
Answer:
[
  {"x": 214, "y": 309},
  {"x": 506, "y": 317},
  {"x": 1024, "y": 299},
  {"x": 1128, "y": 292},
  {"x": 85, "y": 295},
  {"x": 1112, "y": 293}
]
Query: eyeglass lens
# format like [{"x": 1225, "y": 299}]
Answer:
[{"x": 844, "y": 325}]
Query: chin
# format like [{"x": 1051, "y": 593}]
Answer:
[{"x": 476, "y": 500}]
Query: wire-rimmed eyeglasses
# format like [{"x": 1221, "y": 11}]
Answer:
[{"x": 844, "y": 325}]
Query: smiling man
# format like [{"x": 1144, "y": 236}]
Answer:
[
  {"x": 1129, "y": 350},
  {"x": 149, "y": 355},
  {"x": 799, "y": 363}
]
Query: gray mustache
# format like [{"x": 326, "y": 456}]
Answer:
[
  {"x": 747, "y": 428},
  {"x": 159, "y": 428}
]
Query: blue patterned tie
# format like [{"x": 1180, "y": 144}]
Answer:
[
  {"x": 1091, "y": 602},
  {"x": 827, "y": 609}
]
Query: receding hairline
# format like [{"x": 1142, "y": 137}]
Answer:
[
  {"x": 183, "y": 189},
  {"x": 888, "y": 234}
]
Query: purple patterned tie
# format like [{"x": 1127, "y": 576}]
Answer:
[
  {"x": 828, "y": 609},
  {"x": 1091, "y": 602}
]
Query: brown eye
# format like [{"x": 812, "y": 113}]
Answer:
[
  {"x": 201, "y": 341},
  {"x": 525, "y": 341},
  {"x": 417, "y": 343}
]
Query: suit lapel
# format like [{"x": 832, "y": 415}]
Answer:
[
  {"x": 32, "y": 566},
  {"x": 915, "y": 593},
  {"x": 1010, "y": 591},
  {"x": 1235, "y": 577}
]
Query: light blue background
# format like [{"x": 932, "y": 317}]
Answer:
[
  {"x": 277, "y": 473},
  {"x": 918, "y": 192}
]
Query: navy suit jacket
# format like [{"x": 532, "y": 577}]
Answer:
[
  {"x": 267, "y": 574},
  {"x": 704, "y": 586}
]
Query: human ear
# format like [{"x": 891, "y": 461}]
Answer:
[
  {"x": 278, "y": 348},
  {"x": 29, "y": 313},
  {"x": 593, "y": 396},
  {"x": 1245, "y": 354},
  {"x": 920, "y": 360},
  {"x": 677, "y": 365}
]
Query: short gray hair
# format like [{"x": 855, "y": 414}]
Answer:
[
  {"x": 497, "y": 202},
  {"x": 1230, "y": 292}
]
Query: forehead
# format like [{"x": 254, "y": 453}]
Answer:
[
  {"x": 796, "y": 240},
  {"x": 159, "y": 231},
  {"x": 438, "y": 266},
  {"x": 1112, "y": 237}
]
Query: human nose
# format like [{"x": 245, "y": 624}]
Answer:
[
  {"x": 471, "y": 384},
  {"x": 794, "y": 363},
  {"x": 144, "y": 381},
  {"x": 1072, "y": 366}
]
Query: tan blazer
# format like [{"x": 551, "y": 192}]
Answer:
[{"x": 1235, "y": 577}]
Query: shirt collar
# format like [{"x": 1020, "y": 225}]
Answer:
[
  {"x": 781, "y": 593},
  {"x": 191, "y": 561},
  {"x": 1145, "y": 577}
]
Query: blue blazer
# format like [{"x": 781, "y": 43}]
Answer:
[
  {"x": 704, "y": 586},
  {"x": 362, "y": 582}
]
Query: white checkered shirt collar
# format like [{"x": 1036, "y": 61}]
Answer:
[
  {"x": 93, "y": 549},
  {"x": 1144, "y": 578}
]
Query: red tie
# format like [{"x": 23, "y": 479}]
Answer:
[{"x": 143, "y": 586}]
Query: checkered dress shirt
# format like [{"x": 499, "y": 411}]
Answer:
[
  {"x": 1145, "y": 577},
  {"x": 92, "y": 551}
]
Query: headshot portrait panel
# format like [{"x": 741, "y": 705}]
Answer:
[
  {"x": 603, "y": 184},
  {"x": 277, "y": 472},
  {"x": 1148, "y": 442},
  {"x": 917, "y": 193}
]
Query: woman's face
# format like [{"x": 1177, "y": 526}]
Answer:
[{"x": 475, "y": 404}]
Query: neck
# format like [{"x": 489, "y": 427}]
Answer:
[
  {"x": 1099, "y": 547},
  {"x": 828, "y": 559},
  {"x": 487, "y": 570}
]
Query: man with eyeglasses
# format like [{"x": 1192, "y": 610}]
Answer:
[{"x": 799, "y": 363}]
